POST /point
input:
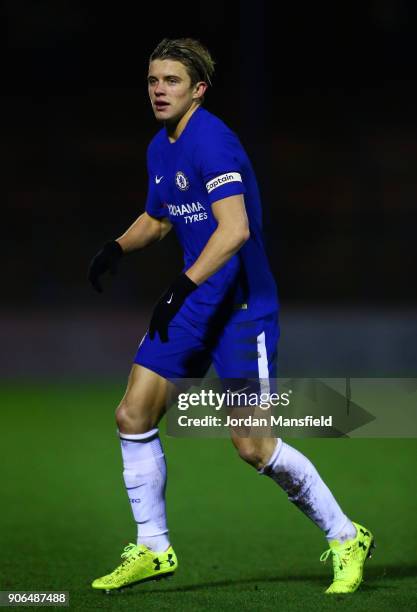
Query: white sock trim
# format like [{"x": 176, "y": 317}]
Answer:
[
  {"x": 141, "y": 436},
  {"x": 273, "y": 457}
]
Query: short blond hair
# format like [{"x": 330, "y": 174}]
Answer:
[{"x": 191, "y": 53}]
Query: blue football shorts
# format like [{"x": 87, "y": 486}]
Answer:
[{"x": 238, "y": 351}]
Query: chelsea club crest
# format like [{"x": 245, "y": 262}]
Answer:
[{"x": 182, "y": 181}]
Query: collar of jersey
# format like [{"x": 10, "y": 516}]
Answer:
[{"x": 181, "y": 137}]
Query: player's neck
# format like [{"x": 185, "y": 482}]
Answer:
[{"x": 174, "y": 130}]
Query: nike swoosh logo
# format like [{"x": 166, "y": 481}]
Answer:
[
  {"x": 170, "y": 299},
  {"x": 158, "y": 179}
]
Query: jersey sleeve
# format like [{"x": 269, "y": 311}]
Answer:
[
  {"x": 221, "y": 165},
  {"x": 154, "y": 207}
]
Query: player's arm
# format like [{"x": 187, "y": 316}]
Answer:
[
  {"x": 145, "y": 230},
  {"x": 230, "y": 235}
]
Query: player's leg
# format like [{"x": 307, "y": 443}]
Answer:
[
  {"x": 251, "y": 349},
  {"x": 144, "y": 401},
  {"x": 289, "y": 468},
  {"x": 350, "y": 543},
  {"x": 144, "y": 472},
  {"x": 144, "y": 468},
  {"x": 298, "y": 477}
]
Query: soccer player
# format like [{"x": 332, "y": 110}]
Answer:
[{"x": 222, "y": 308}]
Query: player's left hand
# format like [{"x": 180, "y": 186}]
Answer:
[{"x": 168, "y": 305}]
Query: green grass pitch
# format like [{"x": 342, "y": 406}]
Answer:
[{"x": 240, "y": 543}]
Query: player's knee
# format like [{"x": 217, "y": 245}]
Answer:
[
  {"x": 248, "y": 451},
  {"x": 131, "y": 419}
]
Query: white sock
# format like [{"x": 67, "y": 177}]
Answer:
[
  {"x": 144, "y": 472},
  {"x": 292, "y": 471}
]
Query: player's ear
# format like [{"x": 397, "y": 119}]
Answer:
[{"x": 200, "y": 89}]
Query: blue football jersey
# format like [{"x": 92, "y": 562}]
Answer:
[{"x": 208, "y": 163}]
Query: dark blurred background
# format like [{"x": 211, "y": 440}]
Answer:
[{"x": 324, "y": 99}]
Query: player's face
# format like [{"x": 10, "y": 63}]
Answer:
[{"x": 170, "y": 90}]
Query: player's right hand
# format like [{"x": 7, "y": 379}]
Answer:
[{"x": 106, "y": 259}]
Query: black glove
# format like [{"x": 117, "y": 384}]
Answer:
[
  {"x": 106, "y": 259},
  {"x": 168, "y": 305}
]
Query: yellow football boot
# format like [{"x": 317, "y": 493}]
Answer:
[
  {"x": 139, "y": 564},
  {"x": 348, "y": 560}
]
